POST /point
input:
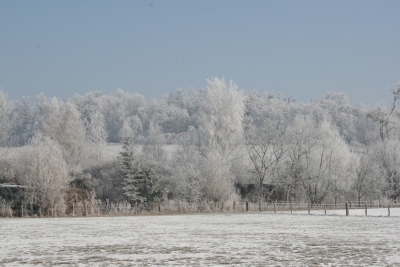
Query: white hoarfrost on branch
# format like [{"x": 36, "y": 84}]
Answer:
[
  {"x": 266, "y": 149},
  {"x": 327, "y": 165},
  {"x": 221, "y": 117},
  {"x": 44, "y": 172},
  {"x": 97, "y": 133},
  {"x": 220, "y": 133}
]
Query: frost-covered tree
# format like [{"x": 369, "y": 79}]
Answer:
[
  {"x": 367, "y": 181},
  {"x": 6, "y": 121},
  {"x": 217, "y": 183},
  {"x": 47, "y": 116},
  {"x": 71, "y": 135},
  {"x": 153, "y": 147},
  {"x": 264, "y": 108},
  {"x": 97, "y": 133},
  {"x": 89, "y": 104},
  {"x": 365, "y": 130},
  {"x": 150, "y": 191},
  {"x": 23, "y": 121},
  {"x": 301, "y": 140},
  {"x": 133, "y": 128},
  {"x": 62, "y": 123},
  {"x": 170, "y": 117},
  {"x": 219, "y": 135},
  {"x": 44, "y": 172},
  {"x": 327, "y": 165},
  {"x": 384, "y": 116},
  {"x": 141, "y": 185},
  {"x": 186, "y": 182},
  {"x": 129, "y": 169},
  {"x": 132, "y": 103},
  {"x": 336, "y": 107},
  {"x": 114, "y": 114},
  {"x": 387, "y": 155},
  {"x": 265, "y": 148},
  {"x": 221, "y": 117},
  {"x": 119, "y": 106}
]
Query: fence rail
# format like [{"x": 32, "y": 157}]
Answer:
[{"x": 104, "y": 209}]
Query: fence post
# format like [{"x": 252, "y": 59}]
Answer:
[
  {"x": 388, "y": 209},
  {"x": 8, "y": 211},
  {"x": 259, "y": 206},
  {"x": 291, "y": 207},
  {"x": 234, "y": 205},
  {"x": 347, "y": 210},
  {"x": 309, "y": 208},
  {"x": 55, "y": 210},
  {"x": 22, "y": 211},
  {"x": 73, "y": 209},
  {"x": 247, "y": 206},
  {"x": 159, "y": 207},
  {"x": 275, "y": 207},
  {"x": 40, "y": 211},
  {"x": 325, "y": 208},
  {"x": 85, "y": 209},
  {"x": 365, "y": 206},
  {"x": 222, "y": 206}
]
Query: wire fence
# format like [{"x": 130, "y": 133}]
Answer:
[{"x": 171, "y": 207}]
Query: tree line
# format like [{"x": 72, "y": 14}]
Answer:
[{"x": 194, "y": 145}]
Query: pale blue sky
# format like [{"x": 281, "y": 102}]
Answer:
[{"x": 296, "y": 48}]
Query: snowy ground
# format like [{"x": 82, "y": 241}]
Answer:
[
  {"x": 251, "y": 239},
  {"x": 111, "y": 151}
]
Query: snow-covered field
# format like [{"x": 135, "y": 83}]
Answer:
[
  {"x": 109, "y": 152},
  {"x": 251, "y": 239}
]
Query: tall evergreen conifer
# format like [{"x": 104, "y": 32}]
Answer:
[
  {"x": 141, "y": 185},
  {"x": 129, "y": 171}
]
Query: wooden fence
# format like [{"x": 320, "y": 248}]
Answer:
[{"x": 171, "y": 207}]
